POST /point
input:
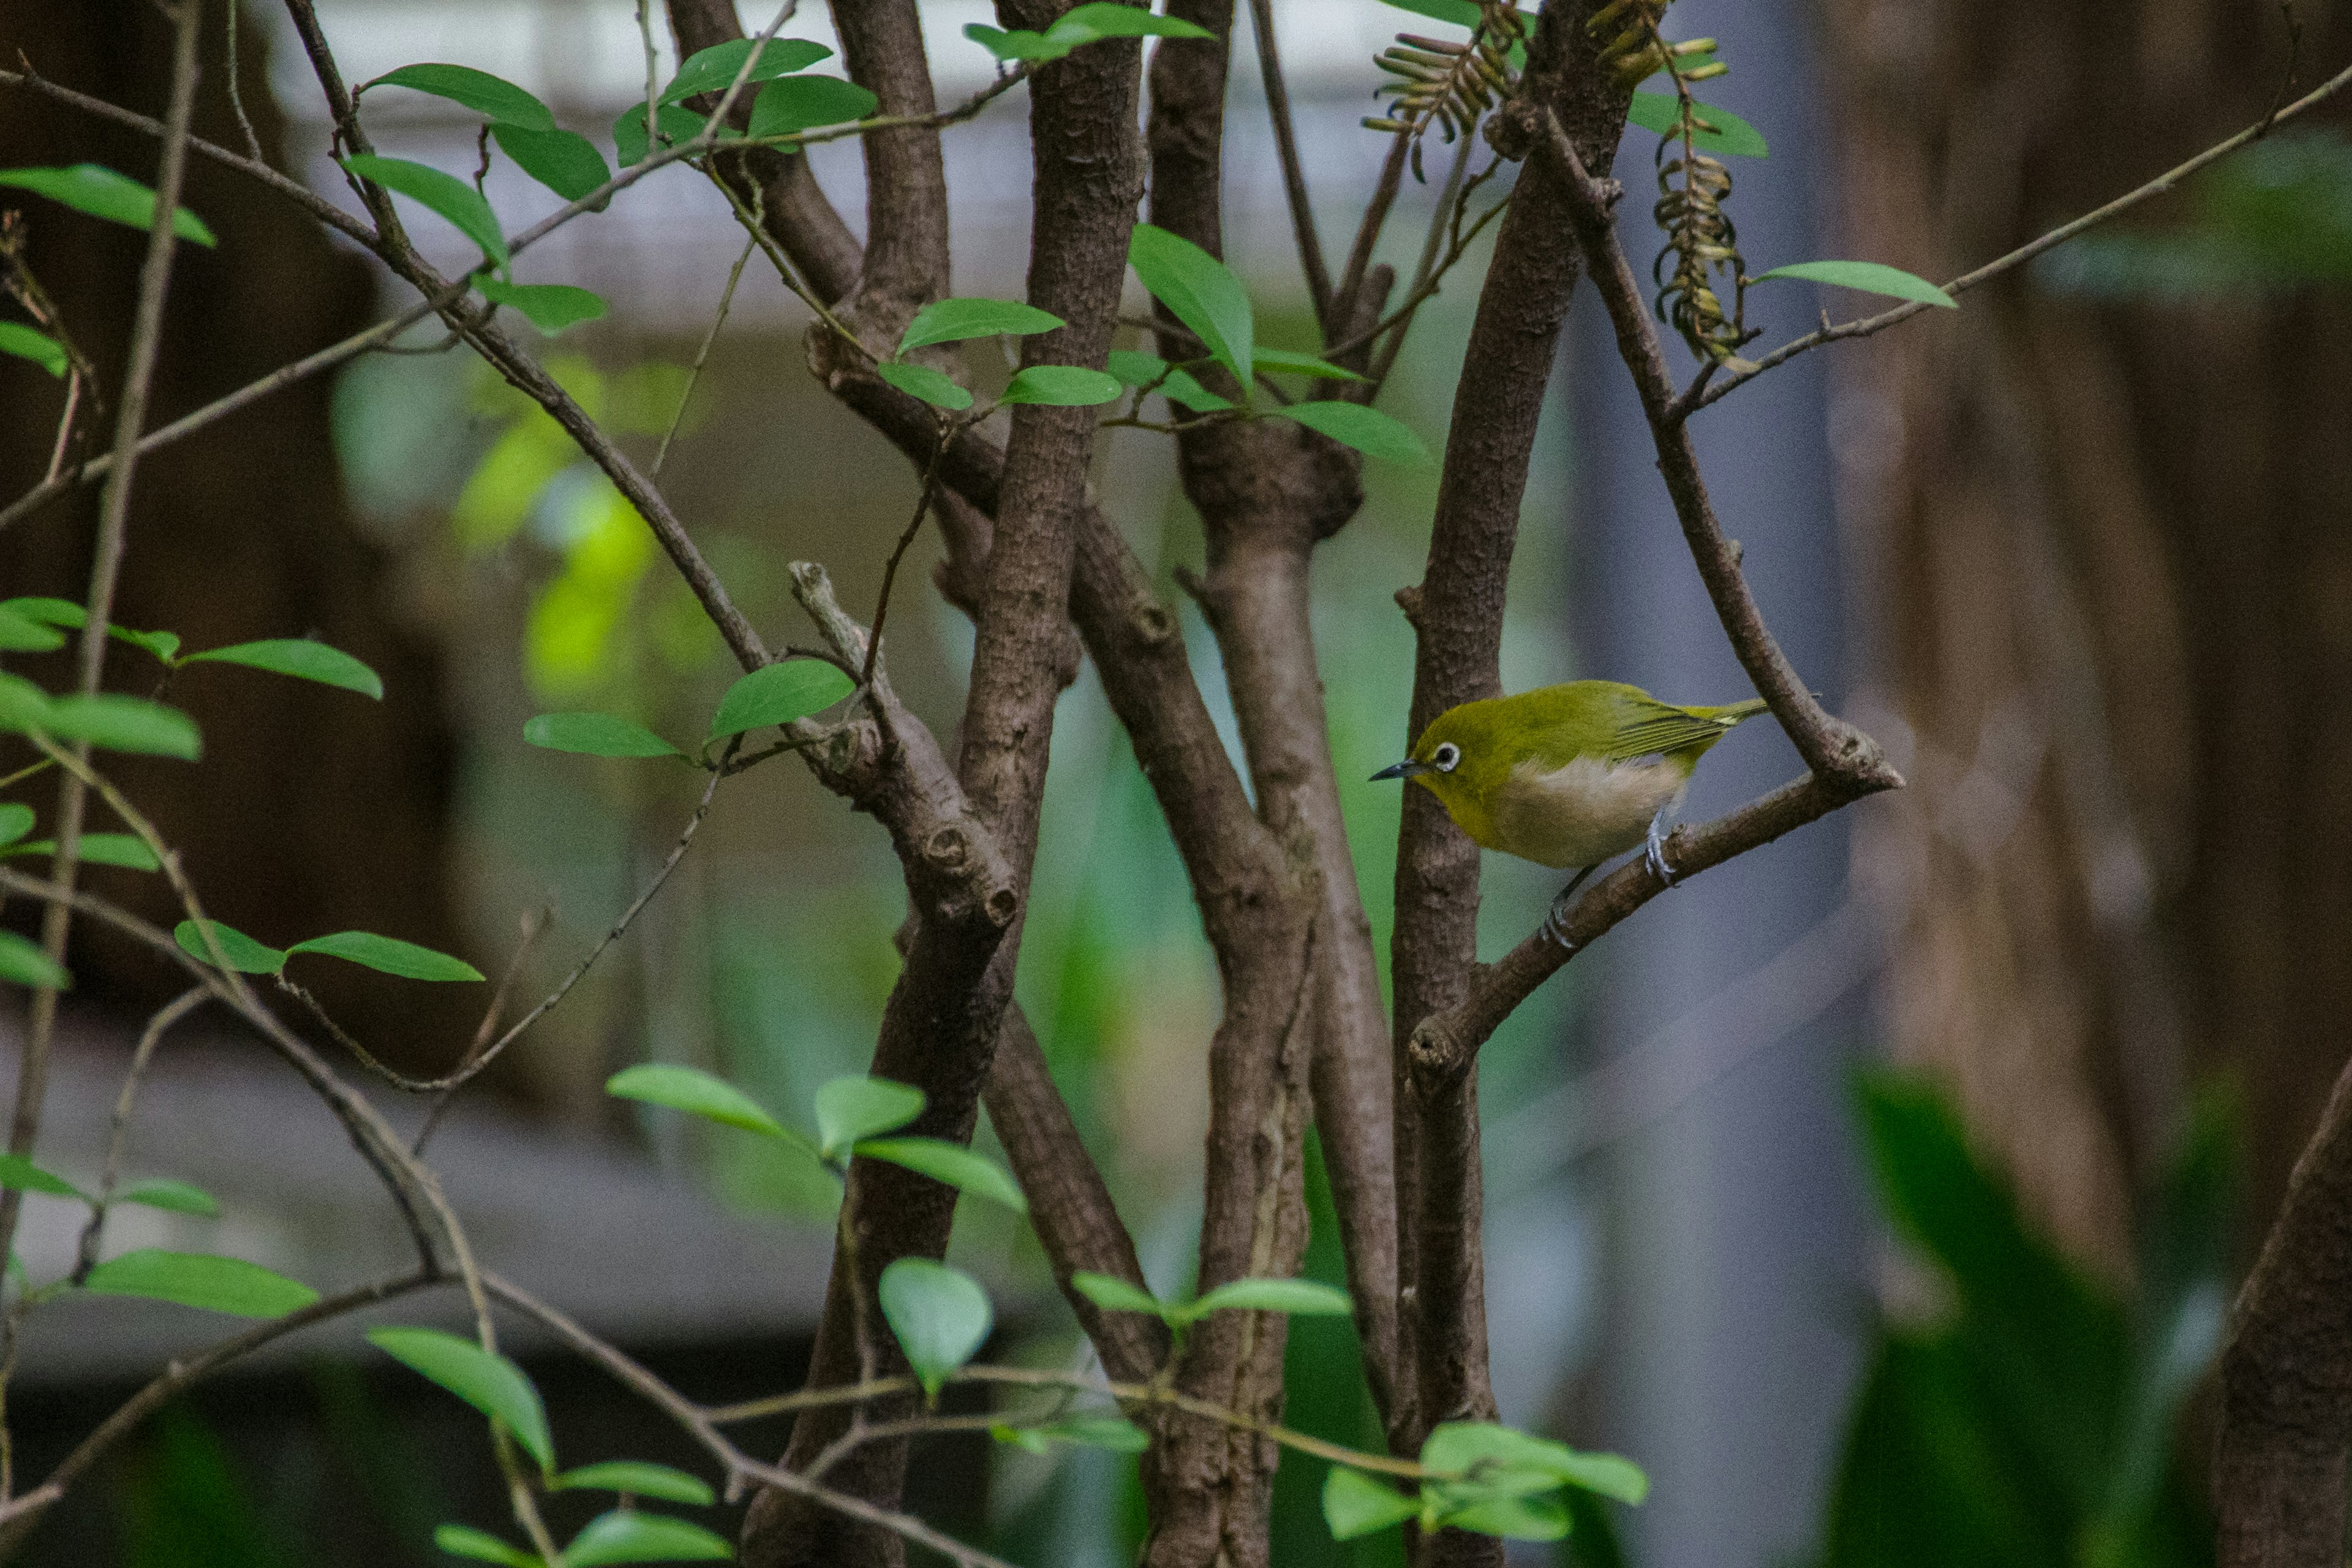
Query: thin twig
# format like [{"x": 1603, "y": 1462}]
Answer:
[
  {"x": 534, "y": 924},
  {"x": 1294, "y": 173},
  {"x": 118, "y": 1134},
  {"x": 2024, "y": 253},
  {"x": 236, "y": 99},
  {"x": 1368, "y": 232},
  {"x": 702, "y": 354},
  {"x": 947, "y": 430},
  {"x": 114, "y": 516}
]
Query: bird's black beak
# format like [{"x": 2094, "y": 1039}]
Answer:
[{"x": 1404, "y": 770}]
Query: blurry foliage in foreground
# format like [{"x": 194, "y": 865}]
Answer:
[{"x": 2033, "y": 1424}]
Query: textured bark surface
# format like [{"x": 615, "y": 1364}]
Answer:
[{"x": 243, "y": 534}]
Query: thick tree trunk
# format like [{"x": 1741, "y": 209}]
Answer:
[
  {"x": 2111, "y": 548},
  {"x": 316, "y": 810}
]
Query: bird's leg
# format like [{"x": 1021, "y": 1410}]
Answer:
[
  {"x": 1555, "y": 925},
  {"x": 1653, "y": 851}
]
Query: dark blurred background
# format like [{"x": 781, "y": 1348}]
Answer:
[{"x": 2080, "y": 553}]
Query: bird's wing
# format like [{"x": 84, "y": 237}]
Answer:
[{"x": 1646, "y": 727}]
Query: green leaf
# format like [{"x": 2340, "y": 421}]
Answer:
[
  {"x": 1019, "y": 44},
  {"x": 1061, "y": 386},
  {"x": 465, "y": 1540},
  {"x": 66, "y": 613},
  {"x": 15, "y": 821},
  {"x": 1662, "y": 112},
  {"x": 48, "y": 612},
  {"x": 164, "y": 646},
  {"x": 1288, "y": 362},
  {"x": 23, "y": 705},
  {"x": 1200, "y": 291},
  {"x": 1108, "y": 19},
  {"x": 953, "y": 320},
  {"x": 953, "y": 1163},
  {"x": 563, "y": 161},
  {"x": 22, "y": 634},
  {"x": 126, "y": 850},
  {"x": 1512, "y": 1518},
  {"x": 1304, "y": 1297},
  {"x": 595, "y": 736},
  {"x": 22, "y": 963},
  {"x": 493, "y": 97},
  {"x": 1868, "y": 276},
  {"x": 1135, "y": 368},
  {"x": 20, "y": 1174},
  {"x": 922, "y": 382},
  {"x": 1367, "y": 430},
  {"x": 229, "y": 1285},
  {"x": 388, "y": 955},
  {"x": 1182, "y": 389},
  {"x": 179, "y": 1198},
  {"x": 696, "y": 1093},
  {"x": 676, "y": 125},
  {"x": 549, "y": 307},
  {"x": 714, "y": 69},
  {"x": 804, "y": 103},
  {"x": 940, "y": 1316},
  {"x": 1354, "y": 1504},
  {"x": 625, "y": 1536},
  {"x": 301, "y": 658},
  {"x": 119, "y": 724},
  {"x": 851, "y": 1109},
  {"x": 102, "y": 192},
  {"x": 483, "y": 1379},
  {"x": 1116, "y": 1294},
  {"x": 1492, "y": 1454},
  {"x": 243, "y": 953},
  {"x": 779, "y": 694},
  {"x": 639, "y": 1478},
  {"x": 1115, "y": 1433},
  {"x": 16, "y": 338},
  {"x": 446, "y": 194},
  {"x": 1178, "y": 386}
]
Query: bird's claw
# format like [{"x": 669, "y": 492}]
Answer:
[
  {"x": 1555, "y": 923},
  {"x": 1653, "y": 855}
]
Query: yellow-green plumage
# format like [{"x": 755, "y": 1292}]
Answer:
[{"x": 1566, "y": 775}]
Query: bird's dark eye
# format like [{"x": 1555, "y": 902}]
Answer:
[{"x": 1446, "y": 756}]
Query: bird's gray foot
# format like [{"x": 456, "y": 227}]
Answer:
[
  {"x": 1555, "y": 925},
  {"x": 1653, "y": 853}
]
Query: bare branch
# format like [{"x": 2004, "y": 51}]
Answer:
[{"x": 1294, "y": 174}]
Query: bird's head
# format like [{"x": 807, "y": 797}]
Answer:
[{"x": 1460, "y": 757}]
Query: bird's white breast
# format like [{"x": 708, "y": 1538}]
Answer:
[{"x": 1583, "y": 813}]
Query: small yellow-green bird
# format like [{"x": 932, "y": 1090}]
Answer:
[{"x": 1567, "y": 776}]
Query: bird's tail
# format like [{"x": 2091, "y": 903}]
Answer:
[{"x": 1733, "y": 713}]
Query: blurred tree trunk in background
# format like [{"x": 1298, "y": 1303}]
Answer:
[
  {"x": 2112, "y": 549},
  {"x": 318, "y": 810}
]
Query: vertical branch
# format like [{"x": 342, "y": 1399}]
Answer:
[
  {"x": 906, "y": 263},
  {"x": 113, "y": 525},
  {"x": 1294, "y": 173}
]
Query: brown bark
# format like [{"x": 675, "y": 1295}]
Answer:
[{"x": 240, "y": 536}]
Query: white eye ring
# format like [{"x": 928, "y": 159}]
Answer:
[{"x": 1446, "y": 757}]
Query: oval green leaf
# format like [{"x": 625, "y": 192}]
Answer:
[
  {"x": 1135, "y": 368},
  {"x": 444, "y": 193},
  {"x": 1116, "y": 1294},
  {"x": 954, "y": 320},
  {"x": 178, "y": 1197},
  {"x": 779, "y": 694},
  {"x": 696, "y": 1093},
  {"x": 48, "y": 612},
  {"x": 20, "y": 1174},
  {"x": 488, "y": 95},
  {"x": 1367, "y": 430},
  {"x": 23, "y": 633},
  {"x": 1289, "y": 362},
  {"x": 1183, "y": 390},
  {"x": 124, "y": 849},
  {"x": 677, "y": 125},
  {"x": 1871, "y": 277},
  {"x": 22, "y": 963},
  {"x": 920, "y": 381},
  {"x": 715, "y": 69},
  {"x": 119, "y": 724},
  {"x": 1198, "y": 289},
  {"x": 465, "y": 1540},
  {"x": 563, "y": 161},
  {"x": 1512, "y": 1518},
  {"x": 639, "y": 1478},
  {"x": 852, "y": 1109},
  {"x": 215, "y": 1284},
  {"x": 243, "y": 953},
  {"x": 804, "y": 103},
  {"x": 1019, "y": 44},
  {"x": 1061, "y": 386},
  {"x": 483, "y": 1379},
  {"x": 18, "y": 339},
  {"x": 1109, "y": 19},
  {"x": 1719, "y": 130},
  {"x": 388, "y": 955},
  {"x": 549, "y": 307},
  {"x": 1488, "y": 1451},
  {"x": 952, "y": 1163},
  {"x": 940, "y": 1315},
  {"x": 102, "y": 192},
  {"x": 623, "y": 1536},
  {"x": 1303, "y": 1297},
  {"x": 595, "y": 736},
  {"x": 16, "y": 820},
  {"x": 1354, "y": 1504},
  {"x": 301, "y": 658}
]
